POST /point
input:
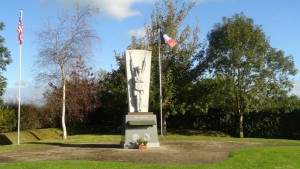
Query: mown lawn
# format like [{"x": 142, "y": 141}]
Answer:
[{"x": 284, "y": 156}]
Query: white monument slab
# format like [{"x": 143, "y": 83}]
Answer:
[
  {"x": 138, "y": 123},
  {"x": 138, "y": 66}
]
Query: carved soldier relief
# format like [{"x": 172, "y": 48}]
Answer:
[{"x": 138, "y": 64}]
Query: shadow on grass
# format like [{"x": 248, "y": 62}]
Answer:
[
  {"x": 112, "y": 146},
  {"x": 190, "y": 132},
  {"x": 4, "y": 140}
]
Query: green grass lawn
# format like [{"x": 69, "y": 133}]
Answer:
[
  {"x": 274, "y": 157},
  {"x": 285, "y": 157},
  {"x": 30, "y": 135}
]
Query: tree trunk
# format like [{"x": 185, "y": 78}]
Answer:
[
  {"x": 63, "y": 114},
  {"x": 241, "y": 130},
  {"x": 164, "y": 125}
]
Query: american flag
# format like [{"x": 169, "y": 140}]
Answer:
[{"x": 20, "y": 28}]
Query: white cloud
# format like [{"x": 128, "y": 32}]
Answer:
[
  {"x": 139, "y": 33},
  {"x": 118, "y": 9}
]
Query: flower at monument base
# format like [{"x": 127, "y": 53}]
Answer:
[{"x": 142, "y": 143}]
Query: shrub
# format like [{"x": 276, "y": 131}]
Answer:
[
  {"x": 7, "y": 120},
  {"x": 290, "y": 125},
  {"x": 262, "y": 124}
]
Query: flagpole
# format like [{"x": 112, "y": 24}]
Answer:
[
  {"x": 160, "y": 88},
  {"x": 20, "y": 37},
  {"x": 19, "y": 97}
]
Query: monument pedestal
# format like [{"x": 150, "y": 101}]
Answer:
[{"x": 139, "y": 125}]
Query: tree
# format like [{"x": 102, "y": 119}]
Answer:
[
  {"x": 254, "y": 76},
  {"x": 61, "y": 44},
  {"x": 81, "y": 92},
  {"x": 177, "y": 70},
  {"x": 5, "y": 59},
  {"x": 113, "y": 93}
]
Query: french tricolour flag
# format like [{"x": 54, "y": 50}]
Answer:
[{"x": 165, "y": 39}]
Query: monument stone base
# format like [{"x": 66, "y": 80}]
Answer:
[{"x": 139, "y": 125}]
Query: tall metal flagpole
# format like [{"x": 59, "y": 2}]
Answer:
[
  {"x": 160, "y": 89},
  {"x": 20, "y": 27},
  {"x": 19, "y": 97}
]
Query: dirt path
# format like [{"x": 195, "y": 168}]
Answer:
[{"x": 170, "y": 152}]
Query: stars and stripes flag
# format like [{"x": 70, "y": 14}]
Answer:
[
  {"x": 20, "y": 28},
  {"x": 165, "y": 39}
]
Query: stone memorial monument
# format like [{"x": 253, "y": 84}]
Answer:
[{"x": 138, "y": 123}]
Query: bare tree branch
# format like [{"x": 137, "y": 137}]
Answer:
[{"x": 62, "y": 43}]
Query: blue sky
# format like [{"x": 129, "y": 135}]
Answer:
[{"x": 120, "y": 18}]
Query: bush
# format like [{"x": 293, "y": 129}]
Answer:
[
  {"x": 32, "y": 117},
  {"x": 48, "y": 117},
  {"x": 290, "y": 125},
  {"x": 262, "y": 124},
  {"x": 7, "y": 120}
]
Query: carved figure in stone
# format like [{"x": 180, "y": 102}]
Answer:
[{"x": 138, "y": 83}]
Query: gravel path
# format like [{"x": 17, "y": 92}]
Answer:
[{"x": 169, "y": 153}]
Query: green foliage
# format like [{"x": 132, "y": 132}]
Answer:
[
  {"x": 263, "y": 124},
  {"x": 113, "y": 94},
  {"x": 141, "y": 141},
  {"x": 254, "y": 76},
  {"x": 30, "y": 116},
  {"x": 213, "y": 86},
  {"x": 290, "y": 125},
  {"x": 5, "y": 60},
  {"x": 273, "y": 125},
  {"x": 7, "y": 120},
  {"x": 48, "y": 116},
  {"x": 202, "y": 95},
  {"x": 177, "y": 63}
]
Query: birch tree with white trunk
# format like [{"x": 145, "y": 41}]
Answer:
[{"x": 61, "y": 43}]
